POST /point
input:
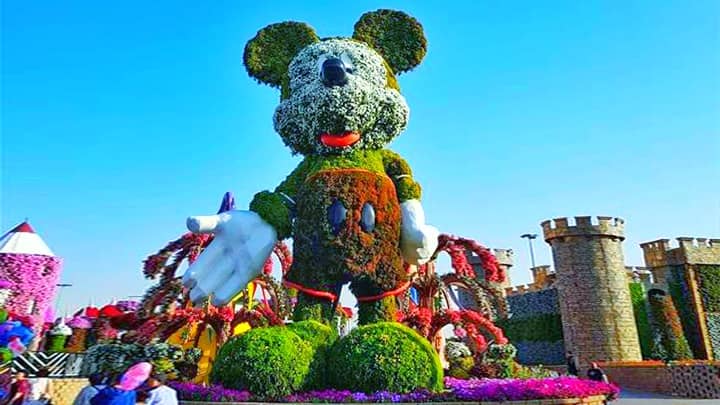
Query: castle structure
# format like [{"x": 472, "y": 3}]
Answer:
[
  {"x": 595, "y": 304},
  {"x": 596, "y": 307}
]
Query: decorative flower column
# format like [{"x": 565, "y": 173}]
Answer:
[
  {"x": 77, "y": 342},
  {"x": 57, "y": 337}
]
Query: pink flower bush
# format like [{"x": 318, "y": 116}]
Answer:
[
  {"x": 533, "y": 388},
  {"x": 33, "y": 280}
]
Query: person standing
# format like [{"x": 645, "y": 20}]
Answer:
[
  {"x": 595, "y": 373},
  {"x": 40, "y": 388},
  {"x": 19, "y": 390},
  {"x": 113, "y": 394},
  {"x": 88, "y": 392},
  {"x": 158, "y": 393},
  {"x": 572, "y": 368}
]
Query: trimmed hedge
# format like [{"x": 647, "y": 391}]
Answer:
[
  {"x": 534, "y": 303},
  {"x": 320, "y": 337},
  {"x": 270, "y": 362},
  {"x": 540, "y": 328},
  {"x": 541, "y": 352},
  {"x": 637, "y": 295},
  {"x": 384, "y": 356}
]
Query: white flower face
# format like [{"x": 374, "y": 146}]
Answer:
[{"x": 363, "y": 105}]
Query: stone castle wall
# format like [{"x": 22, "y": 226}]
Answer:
[{"x": 595, "y": 303}]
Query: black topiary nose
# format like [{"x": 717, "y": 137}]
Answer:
[{"x": 334, "y": 72}]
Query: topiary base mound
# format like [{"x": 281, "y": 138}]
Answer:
[
  {"x": 320, "y": 337},
  {"x": 269, "y": 362},
  {"x": 384, "y": 356}
]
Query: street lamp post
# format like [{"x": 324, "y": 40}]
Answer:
[
  {"x": 530, "y": 237},
  {"x": 61, "y": 286}
]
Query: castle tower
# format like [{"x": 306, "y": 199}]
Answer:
[
  {"x": 31, "y": 271},
  {"x": 595, "y": 305},
  {"x": 692, "y": 264}
]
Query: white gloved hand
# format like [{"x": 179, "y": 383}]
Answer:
[
  {"x": 418, "y": 241},
  {"x": 243, "y": 242}
]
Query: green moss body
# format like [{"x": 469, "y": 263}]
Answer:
[
  {"x": 324, "y": 259},
  {"x": 276, "y": 207},
  {"x": 384, "y": 356}
]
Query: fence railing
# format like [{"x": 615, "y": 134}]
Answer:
[{"x": 58, "y": 364}]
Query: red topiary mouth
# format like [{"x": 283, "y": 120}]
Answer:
[{"x": 347, "y": 138}]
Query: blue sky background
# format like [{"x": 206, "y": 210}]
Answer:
[{"x": 121, "y": 119}]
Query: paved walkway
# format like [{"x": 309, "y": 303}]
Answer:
[{"x": 632, "y": 397}]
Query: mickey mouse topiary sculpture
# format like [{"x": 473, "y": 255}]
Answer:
[{"x": 351, "y": 206}]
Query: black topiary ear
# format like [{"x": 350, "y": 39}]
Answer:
[
  {"x": 398, "y": 37},
  {"x": 269, "y": 53}
]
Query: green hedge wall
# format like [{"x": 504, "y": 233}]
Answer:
[
  {"x": 671, "y": 344},
  {"x": 709, "y": 286},
  {"x": 637, "y": 295},
  {"x": 539, "y": 328},
  {"x": 681, "y": 298}
]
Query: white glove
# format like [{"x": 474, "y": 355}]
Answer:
[
  {"x": 418, "y": 241},
  {"x": 243, "y": 242}
]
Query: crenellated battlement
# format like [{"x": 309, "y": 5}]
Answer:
[
  {"x": 521, "y": 289},
  {"x": 639, "y": 274},
  {"x": 543, "y": 277},
  {"x": 504, "y": 256},
  {"x": 583, "y": 226},
  {"x": 687, "y": 250}
]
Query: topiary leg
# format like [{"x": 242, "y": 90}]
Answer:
[
  {"x": 312, "y": 308},
  {"x": 383, "y": 310}
]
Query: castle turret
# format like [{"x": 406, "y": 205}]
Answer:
[
  {"x": 31, "y": 270},
  {"x": 595, "y": 304}
]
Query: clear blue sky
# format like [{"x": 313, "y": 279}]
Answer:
[{"x": 119, "y": 119}]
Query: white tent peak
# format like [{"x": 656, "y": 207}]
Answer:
[{"x": 22, "y": 239}]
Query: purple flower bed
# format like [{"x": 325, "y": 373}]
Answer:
[
  {"x": 457, "y": 390},
  {"x": 214, "y": 393}
]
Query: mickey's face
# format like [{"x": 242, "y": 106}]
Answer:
[
  {"x": 339, "y": 100},
  {"x": 338, "y": 95}
]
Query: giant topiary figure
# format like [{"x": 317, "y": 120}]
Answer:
[{"x": 351, "y": 206}]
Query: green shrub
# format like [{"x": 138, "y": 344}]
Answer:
[
  {"x": 539, "y": 328},
  {"x": 637, "y": 295},
  {"x": 320, "y": 337},
  {"x": 384, "y": 356},
  {"x": 269, "y": 362}
]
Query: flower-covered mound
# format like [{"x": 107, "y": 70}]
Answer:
[{"x": 456, "y": 390}]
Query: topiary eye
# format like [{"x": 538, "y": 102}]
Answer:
[
  {"x": 320, "y": 62},
  {"x": 349, "y": 66}
]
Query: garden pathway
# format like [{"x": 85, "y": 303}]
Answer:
[{"x": 633, "y": 397}]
